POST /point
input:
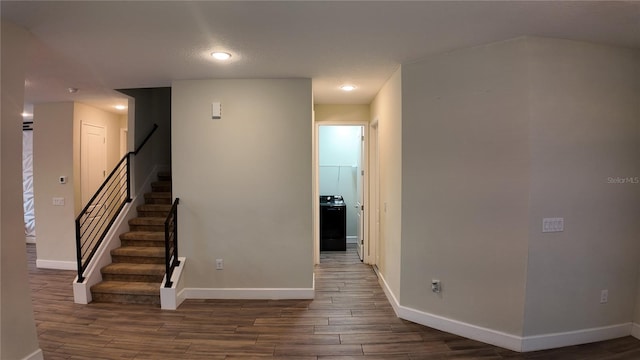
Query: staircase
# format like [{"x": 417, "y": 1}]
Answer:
[{"x": 138, "y": 267}]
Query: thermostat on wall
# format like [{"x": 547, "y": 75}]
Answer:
[{"x": 216, "y": 110}]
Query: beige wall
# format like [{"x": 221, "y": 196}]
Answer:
[
  {"x": 341, "y": 113},
  {"x": 386, "y": 108},
  {"x": 18, "y": 338},
  {"x": 584, "y": 129},
  {"x": 53, "y": 156},
  {"x": 465, "y": 185},
  {"x": 56, "y": 152},
  {"x": 244, "y": 182}
]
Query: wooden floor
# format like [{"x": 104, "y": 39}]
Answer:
[{"x": 350, "y": 318}]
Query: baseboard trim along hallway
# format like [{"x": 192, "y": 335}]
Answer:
[
  {"x": 508, "y": 341},
  {"x": 248, "y": 293}
]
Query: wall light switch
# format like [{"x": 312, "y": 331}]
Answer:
[
  {"x": 216, "y": 110},
  {"x": 552, "y": 225}
]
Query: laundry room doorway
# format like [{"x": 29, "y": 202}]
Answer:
[{"x": 341, "y": 186}]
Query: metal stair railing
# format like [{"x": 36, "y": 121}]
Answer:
[
  {"x": 97, "y": 217},
  {"x": 171, "y": 242}
]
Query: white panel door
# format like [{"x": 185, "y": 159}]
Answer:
[{"x": 93, "y": 160}]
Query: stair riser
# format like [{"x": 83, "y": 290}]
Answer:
[
  {"x": 132, "y": 278},
  {"x": 137, "y": 259},
  {"x": 145, "y": 243},
  {"x": 143, "y": 213},
  {"x": 161, "y": 188},
  {"x": 126, "y": 298},
  {"x": 162, "y": 177},
  {"x": 157, "y": 201},
  {"x": 146, "y": 228}
]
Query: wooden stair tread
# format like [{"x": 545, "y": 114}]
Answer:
[
  {"x": 146, "y": 251},
  {"x": 149, "y": 220},
  {"x": 134, "y": 269},
  {"x": 158, "y": 194},
  {"x": 161, "y": 182},
  {"x": 136, "y": 273},
  {"x": 154, "y": 207},
  {"x": 143, "y": 235},
  {"x": 129, "y": 288}
]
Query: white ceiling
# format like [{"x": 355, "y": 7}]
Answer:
[{"x": 98, "y": 46}]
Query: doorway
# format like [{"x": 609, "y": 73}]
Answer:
[
  {"x": 341, "y": 174},
  {"x": 93, "y": 160}
]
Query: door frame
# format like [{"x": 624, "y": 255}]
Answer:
[
  {"x": 83, "y": 141},
  {"x": 316, "y": 186},
  {"x": 374, "y": 194}
]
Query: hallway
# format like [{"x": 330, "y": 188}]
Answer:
[{"x": 350, "y": 318}]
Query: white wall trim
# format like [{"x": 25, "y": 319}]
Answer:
[
  {"x": 486, "y": 335},
  {"x": 56, "y": 264},
  {"x": 470, "y": 331},
  {"x": 30, "y": 239},
  {"x": 569, "y": 338},
  {"x": 171, "y": 298},
  {"x": 249, "y": 293},
  {"x": 508, "y": 341},
  {"x": 36, "y": 355},
  {"x": 352, "y": 239},
  {"x": 387, "y": 291},
  {"x": 635, "y": 331}
]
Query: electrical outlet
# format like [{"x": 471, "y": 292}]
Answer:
[
  {"x": 436, "y": 287},
  {"x": 604, "y": 296},
  {"x": 58, "y": 201},
  {"x": 219, "y": 264}
]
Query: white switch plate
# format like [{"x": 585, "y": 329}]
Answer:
[
  {"x": 552, "y": 225},
  {"x": 216, "y": 110},
  {"x": 58, "y": 201},
  {"x": 219, "y": 264},
  {"x": 604, "y": 296}
]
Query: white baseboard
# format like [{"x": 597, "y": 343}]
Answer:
[
  {"x": 30, "y": 239},
  {"x": 56, "y": 264},
  {"x": 508, "y": 341},
  {"x": 569, "y": 338},
  {"x": 387, "y": 291},
  {"x": 36, "y": 355},
  {"x": 249, "y": 293},
  {"x": 352, "y": 239}
]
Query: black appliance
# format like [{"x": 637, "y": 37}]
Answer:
[{"x": 333, "y": 223}]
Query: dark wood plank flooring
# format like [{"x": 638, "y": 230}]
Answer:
[{"x": 350, "y": 318}]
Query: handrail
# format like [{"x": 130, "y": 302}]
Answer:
[
  {"x": 171, "y": 242},
  {"x": 99, "y": 214},
  {"x": 155, "y": 127}
]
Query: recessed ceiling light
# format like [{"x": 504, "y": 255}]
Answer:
[
  {"x": 219, "y": 55},
  {"x": 348, "y": 87},
  {"x": 120, "y": 107},
  {"x": 72, "y": 90}
]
